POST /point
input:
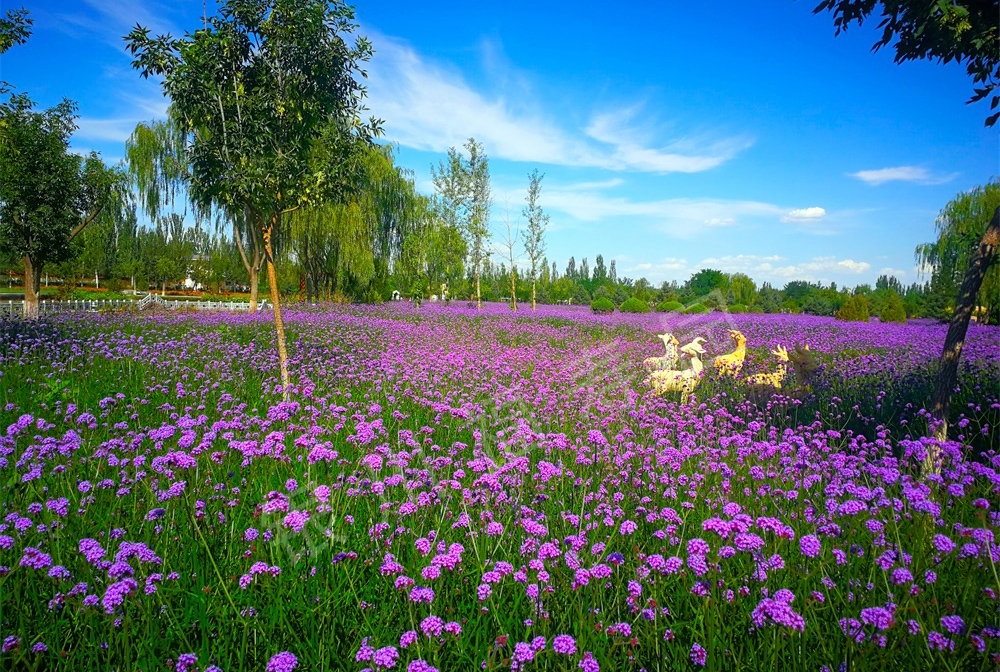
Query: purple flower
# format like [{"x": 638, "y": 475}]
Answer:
[
  {"x": 953, "y": 624},
  {"x": 432, "y": 626},
  {"x": 282, "y": 662},
  {"x": 943, "y": 544},
  {"x": 186, "y": 660},
  {"x": 588, "y": 664},
  {"x": 407, "y": 639},
  {"x": 810, "y": 546},
  {"x": 386, "y": 657},
  {"x": 564, "y": 644},
  {"x": 935, "y": 640},
  {"x": 698, "y": 654}
]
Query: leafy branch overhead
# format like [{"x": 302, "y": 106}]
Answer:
[
  {"x": 966, "y": 32},
  {"x": 258, "y": 88}
]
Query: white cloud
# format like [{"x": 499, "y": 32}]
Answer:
[
  {"x": 898, "y": 272},
  {"x": 118, "y": 129},
  {"x": 777, "y": 267},
  {"x": 915, "y": 174},
  {"x": 678, "y": 217},
  {"x": 430, "y": 106},
  {"x": 812, "y": 214}
]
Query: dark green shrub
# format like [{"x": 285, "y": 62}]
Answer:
[
  {"x": 893, "y": 310},
  {"x": 737, "y": 308},
  {"x": 634, "y": 305},
  {"x": 602, "y": 306},
  {"x": 755, "y": 309},
  {"x": 697, "y": 309},
  {"x": 669, "y": 307},
  {"x": 855, "y": 309}
]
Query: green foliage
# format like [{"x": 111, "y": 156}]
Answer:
[
  {"x": 755, "y": 309},
  {"x": 634, "y": 305},
  {"x": 15, "y": 28},
  {"x": 48, "y": 194},
  {"x": 707, "y": 279},
  {"x": 670, "y": 307},
  {"x": 960, "y": 227},
  {"x": 893, "y": 309},
  {"x": 534, "y": 239},
  {"x": 966, "y": 32},
  {"x": 855, "y": 309},
  {"x": 697, "y": 309},
  {"x": 737, "y": 308},
  {"x": 602, "y": 306},
  {"x": 241, "y": 78}
]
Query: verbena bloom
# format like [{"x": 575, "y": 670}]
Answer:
[
  {"x": 943, "y": 543},
  {"x": 810, "y": 546},
  {"x": 564, "y": 644},
  {"x": 953, "y": 624},
  {"x": 407, "y": 638},
  {"x": 432, "y": 626},
  {"x": 282, "y": 662},
  {"x": 935, "y": 640},
  {"x": 386, "y": 657},
  {"x": 698, "y": 654},
  {"x": 186, "y": 660}
]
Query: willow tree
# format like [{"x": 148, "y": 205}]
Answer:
[
  {"x": 256, "y": 88},
  {"x": 966, "y": 32},
  {"x": 160, "y": 173},
  {"x": 345, "y": 244}
]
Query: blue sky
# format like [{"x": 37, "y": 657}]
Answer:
[{"x": 673, "y": 136}]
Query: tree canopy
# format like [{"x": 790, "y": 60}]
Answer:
[
  {"x": 967, "y": 32},
  {"x": 270, "y": 98}
]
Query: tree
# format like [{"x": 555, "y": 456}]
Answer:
[
  {"x": 15, "y": 28},
  {"x": 707, "y": 279},
  {"x": 744, "y": 289},
  {"x": 463, "y": 199},
  {"x": 48, "y": 195},
  {"x": 960, "y": 226},
  {"x": 855, "y": 309},
  {"x": 258, "y": 89},
  {"x": 613, "y": 273},
  {"x": 509, "y": 244},
  {"x": 477, "y": 224},
  {"x": 961, "y": 223},
  {"x": 893, "y": 309},
  {"x": 534, "y": 239},
  {"x": 600, "y": 271},
  {"x": 966, "y": 32}
]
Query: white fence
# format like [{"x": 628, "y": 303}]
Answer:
[{"x": 16, "y": 308}]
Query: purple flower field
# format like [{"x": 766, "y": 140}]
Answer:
[{"x": 456, "y": 490}]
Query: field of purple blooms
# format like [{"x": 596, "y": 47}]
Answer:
[{"x": 456, "y": 490}]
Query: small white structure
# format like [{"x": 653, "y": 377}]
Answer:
[{"x": 396, "y": 296}]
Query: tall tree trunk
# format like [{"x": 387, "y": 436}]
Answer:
[
  {"x": 513, "y": 292},
  {"x": 279, "y": 326},
  {"x": 947, "y": 377},
  {"x": 32, "y": 286},
  {"x": 479, "y": 296},
  {"x": 254, "y": 289},
  {"x": 252, "y": 268},
  {"x": 532, "y": 294}
]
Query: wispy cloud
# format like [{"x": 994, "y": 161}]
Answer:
[
  {"x": 119, "y": 128},
  {"x": 775, "y": 266},
  {"x": 678, "y": 217},
  {"x": 813, "y": 214},
  {"x": 915, "y": 174},
  {"x": 431, "y": 106}
]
